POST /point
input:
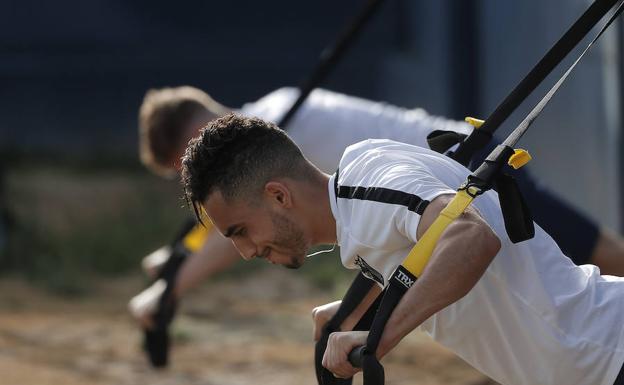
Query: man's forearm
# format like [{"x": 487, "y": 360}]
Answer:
[
  {"x": 460, "y": 258},
  {"x": 216, "y": 254}
]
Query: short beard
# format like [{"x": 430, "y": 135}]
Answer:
[{"x": 289, "y": 237}]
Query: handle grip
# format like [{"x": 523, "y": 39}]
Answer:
[{"x": 356, "y": 356}]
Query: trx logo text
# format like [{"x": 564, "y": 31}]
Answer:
[{"x": 403, "y": 278}]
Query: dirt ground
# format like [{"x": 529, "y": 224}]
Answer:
[{"x": 257, "y": 331}]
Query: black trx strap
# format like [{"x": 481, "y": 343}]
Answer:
[
  {"x": 156, "y": 341},
  {"x": 358, "y": 290},
  {"x": 330, "y": 57},
  {"x": 482, "y": 136},
  {"x": 476, "y": 184}
]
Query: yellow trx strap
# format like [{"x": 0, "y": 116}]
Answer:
[
  {"x": 418, "y": 257},
  {"x": 195, "y": 238}
]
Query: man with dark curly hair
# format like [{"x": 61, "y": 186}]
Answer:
[
  {"x": 324, "y": 126},
  {"x": 170, "y": 117},
  {"x": 521, "y": 313}
]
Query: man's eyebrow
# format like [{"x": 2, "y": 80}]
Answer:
[{"x": 230, "y": 230}]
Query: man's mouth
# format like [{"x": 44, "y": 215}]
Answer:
[{"x": 265, "y": 254}]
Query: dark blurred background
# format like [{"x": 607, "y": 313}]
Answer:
[{"x": 73, "y": 74}]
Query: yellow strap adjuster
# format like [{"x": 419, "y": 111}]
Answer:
[
  {"x": 476, "y": 123},
  {"x": 519, "y": 158},
  {"x": 195, "y": 238},
  {"x": 418, "y": 257}
]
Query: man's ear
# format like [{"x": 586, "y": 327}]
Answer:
[{"x": 278, "y": 193}]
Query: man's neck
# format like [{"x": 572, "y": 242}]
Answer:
[{"x": 318, "y": 211}]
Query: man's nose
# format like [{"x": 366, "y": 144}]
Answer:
[{"x": 245, "y": 248}]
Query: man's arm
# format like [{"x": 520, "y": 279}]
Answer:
[
  {"x": 460, "y": 258},
  {"x": 216, "y": 254},
  {"x": 322, "y": 314}
]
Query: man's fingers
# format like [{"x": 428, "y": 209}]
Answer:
[
  {"x": 319, "y": 319},
  {"x": 144, "y": 305},
  {"x": 316, "y": 332},
  {"x": 335, "y": 357},
  {"x": 154, "y": 262}
]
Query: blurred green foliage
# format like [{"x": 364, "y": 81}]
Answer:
[
  {"x": 325, "y": 271},
  {"x": 71, "y": 224}
]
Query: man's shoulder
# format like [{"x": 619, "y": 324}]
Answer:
[
  {"x": 365, "y": 159},
  {"x": 379, "y": 148},
  {"x": 368, "y": 145},
  {"x": 355, "y": 155},
  {"x": 396, "y": 165}
]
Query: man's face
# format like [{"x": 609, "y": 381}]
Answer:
[{"x": 259, "y": 231}]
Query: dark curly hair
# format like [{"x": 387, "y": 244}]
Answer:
[{"x": 237, "y": 156}]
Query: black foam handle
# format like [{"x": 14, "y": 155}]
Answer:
[
  {"x": 356, "y": 356},
  {"x": 372, "y": 371}
]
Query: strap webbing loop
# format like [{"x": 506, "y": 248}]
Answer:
[
  {"x": 553, "y": 57},
  {"x": 330, "y": 57}
]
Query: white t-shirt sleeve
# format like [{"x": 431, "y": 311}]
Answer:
[
  {"x": 382, "y": 230},
  {"x": 389, "y": 220},
  {"x": 396, "y": 182},
  {"x": 426, "y": 187}
]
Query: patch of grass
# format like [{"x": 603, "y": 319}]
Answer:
[{"x": 70, "y": 224}]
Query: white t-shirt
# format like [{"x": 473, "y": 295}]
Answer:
[
  {"x": 534, "y": 318},
  {"x": 328, "y": 122}
]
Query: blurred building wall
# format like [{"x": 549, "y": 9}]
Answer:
[
  {"x": 575, "y": 140},
  {"x": 463, "y": 58},
  {"x": 72, "y": 74}
]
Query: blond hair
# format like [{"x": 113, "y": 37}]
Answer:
[{"x": 163, "y": 118}]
